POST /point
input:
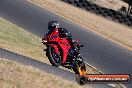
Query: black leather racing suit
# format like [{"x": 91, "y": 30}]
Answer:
[{"x": 74, "y": 48}]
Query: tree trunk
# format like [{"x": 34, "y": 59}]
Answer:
[{"x": 129, "y": 9}]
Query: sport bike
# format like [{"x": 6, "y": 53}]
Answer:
[{"x": 60, "y": 52}]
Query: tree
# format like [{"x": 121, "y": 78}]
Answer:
[{"x": 129, "y": 2}]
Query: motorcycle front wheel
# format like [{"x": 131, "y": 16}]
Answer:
[
  {"x": 54, "y": 59},
  {"x": 79, "y": 68}
]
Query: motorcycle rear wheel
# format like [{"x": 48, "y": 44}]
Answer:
[{"x": 54, "y": 59}]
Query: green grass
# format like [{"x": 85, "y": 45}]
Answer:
[
  {"x": 18, "y": 40},
  {"x": 16, "y": 75}
]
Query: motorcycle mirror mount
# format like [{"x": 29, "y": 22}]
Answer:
[{"x": 81, "y": 45}]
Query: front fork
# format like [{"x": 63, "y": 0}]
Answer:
[{"x": 79, "y": 66}]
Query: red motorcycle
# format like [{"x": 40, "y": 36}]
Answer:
[{"x": 59, "y": 53}]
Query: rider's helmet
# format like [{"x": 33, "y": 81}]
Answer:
[{"x": 53, "y": 24}]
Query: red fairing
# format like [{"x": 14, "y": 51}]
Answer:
[
  {"x": 55, "y": 48},
  {"x": 65, "y": 47},
  {"x": 53, "y": 38}
]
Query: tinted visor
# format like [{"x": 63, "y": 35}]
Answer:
[{"x": 56, "y": 24}]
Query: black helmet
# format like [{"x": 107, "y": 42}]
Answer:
[{"x": 53, "y": 24}]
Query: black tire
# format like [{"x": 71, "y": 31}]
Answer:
[
  {"x": 105, "y": 15},
  {"x": 110, "y": 14},
  {"x": 113, "y": 17},
  {"x": 93, "y": 7},
  {"x": 97, "y": 12},
  {"x": 128, "y": 23},
  {"x": 118, "y": 17},
  {"x": 66, "y": 1},
  {"x": 81, "y": 80},
  {"x": 71, "y": 1},
  {"x": 121, "y": 20},
  {"x": 82, "y": 1},
  {"x": 89, "y": 4},
  {"x": 84, "y": 4},
  {"x": 79, "y": 4},
  {"x": 102, "y": 11},
  {"x": 98, "y": 8},
  {"x": 126, "y": 19},
  {"x": 74, "y": 4},
  {"x": 54, "y": 61},
  {"x": 130, "y": 17},
  {"x": 88, "y": 8},
  {"x": 106, "y": 10}
]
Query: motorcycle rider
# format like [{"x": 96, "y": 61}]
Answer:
[{"x": 53, "y": 25}]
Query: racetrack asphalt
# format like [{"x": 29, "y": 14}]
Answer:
[
  {"x": 5, "y": 54},
  {"x": 97, "y": 51}
]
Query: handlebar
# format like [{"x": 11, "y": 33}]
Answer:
[{"x": 81, "y": 46}]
